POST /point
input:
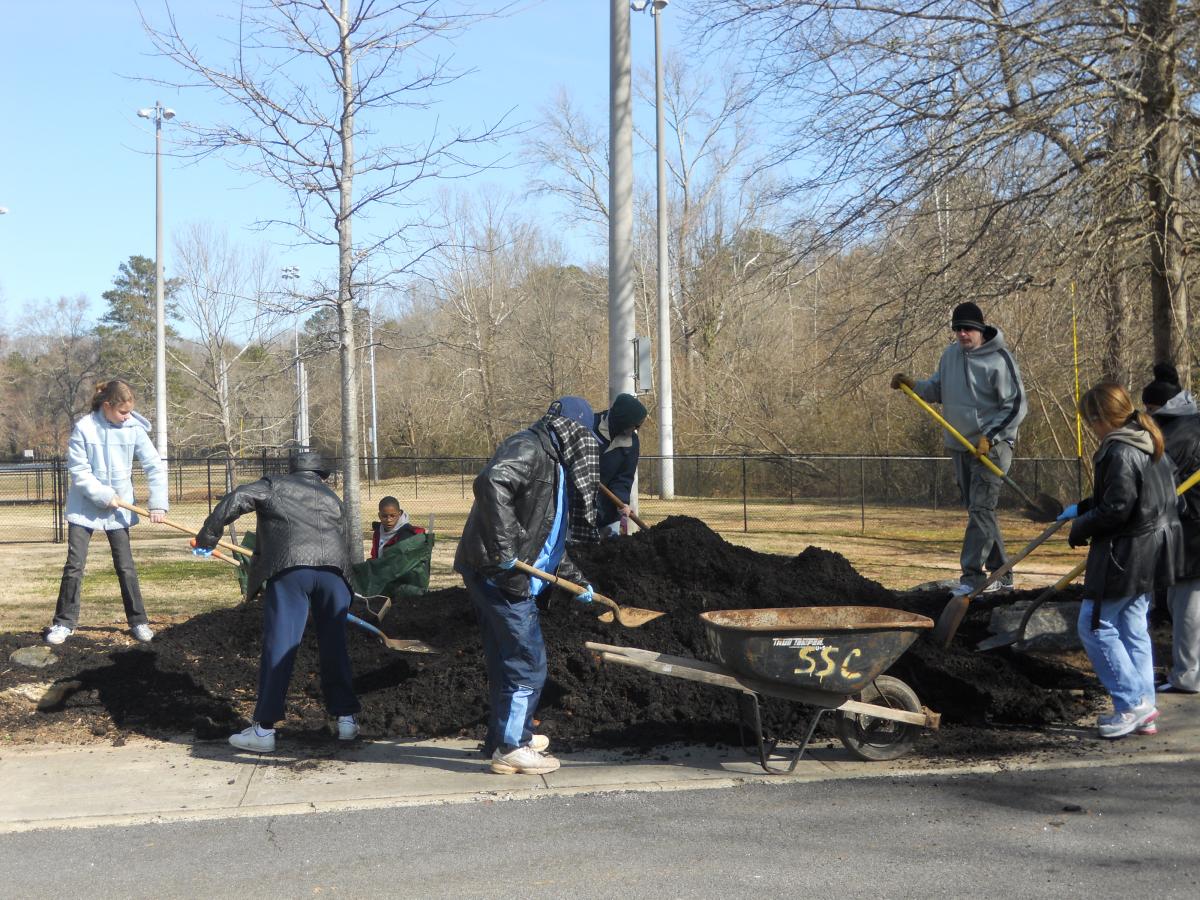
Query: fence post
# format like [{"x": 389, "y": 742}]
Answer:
[
  {"x": 935, "y": 484},
  {"x": 416, "y": 480},
  {"x": 862, "y": 493},
  {"x": 791, "y": 495},
  {"x": 745, "y": 509},
  {"x": 462, "y": 479},
  {"x": 209, "y": 490}
]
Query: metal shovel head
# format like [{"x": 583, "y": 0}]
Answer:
[
  {"x": 628, "y": 616},
  {"x": 408, "y": 646},
  {"x": 1044, "y": 508}
]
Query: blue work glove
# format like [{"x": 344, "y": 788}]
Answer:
[
  {"x": 586, "y": 596},
  {"x": 508, "y": 563},
  {"x": 1069, "y": 513},
  {"x": 206, "y": 552}
]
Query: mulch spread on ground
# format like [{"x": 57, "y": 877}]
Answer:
[{"x": 199, "y": 677}]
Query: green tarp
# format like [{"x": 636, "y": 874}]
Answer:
[{"x": 402, "y": 570}]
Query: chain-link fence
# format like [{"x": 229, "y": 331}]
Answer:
[{"x": 790, "y": 494}]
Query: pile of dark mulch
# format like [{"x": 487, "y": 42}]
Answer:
[{"x": 200, "y": 676}]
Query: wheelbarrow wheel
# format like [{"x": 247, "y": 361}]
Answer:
[{"x": 874, "y": 739}]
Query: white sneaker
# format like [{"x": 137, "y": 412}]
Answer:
[
  {"x": 540, "y": 743},
  {"x": 58, "y": 633},
  {"x": 347, "y": 728},
  {"x": 523, "y": 761},
  {"x": 142, "y": 633},
  {"x": 1120, "y": 724},
  {"x": 254, "y": 739}
]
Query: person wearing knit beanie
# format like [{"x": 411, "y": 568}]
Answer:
[
  {"x": 616, "y": 430},
  {"x": 979, "y": 386},
  {"x": 1174, "y": 410}
]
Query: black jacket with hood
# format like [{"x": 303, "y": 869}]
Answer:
[
  {"x": 301, "y": 522},
  {"x": 513, "y": 512},
  {"x": 1130, "y": 520},
  {"x": 1180, "y": 423}
]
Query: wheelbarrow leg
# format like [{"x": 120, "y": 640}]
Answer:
[{"x": 748, "y": 702}]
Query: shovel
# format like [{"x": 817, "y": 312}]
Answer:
[
  {"x": 618, "y": 503},
  {"x": 1045, "y": 509},
  {"x": 234, "y": 548},
  {"x": 956, "y": 610},
  {"x": 403, "y": 646},
  {"x": 629, "y": 616},
  {"x": 1015, "y": 637}
]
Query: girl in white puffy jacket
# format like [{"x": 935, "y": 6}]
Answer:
[{"x": 100, "y": 458}]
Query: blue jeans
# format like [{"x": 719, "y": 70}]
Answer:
[
  {"x": 286, "y": 602},
  {"x": 515, "y": 656},
  {"x": 1120, "y": 649}
]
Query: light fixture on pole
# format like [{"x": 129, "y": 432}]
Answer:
[
  {"x": 666, "y": 413},
  {"x": 158, "y": 112}
]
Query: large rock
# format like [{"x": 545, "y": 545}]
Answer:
[
  {"x": 37, "y": 656},
  {"x": 1051, "y": 627}
]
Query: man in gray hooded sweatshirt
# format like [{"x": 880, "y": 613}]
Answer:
[{"x": 979, "y": 386}]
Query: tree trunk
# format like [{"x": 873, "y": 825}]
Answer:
[{"x": 1164, "y": 175}]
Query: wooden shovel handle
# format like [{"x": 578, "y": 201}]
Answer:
[
  {"x": 618, "y": 502},
  {"x": 974, "y": 451},
  {"x": 567, "y": 585},
  {"x": 233, "y": 548}
]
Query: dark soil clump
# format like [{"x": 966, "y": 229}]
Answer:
[{"x": 200, "y": 676}]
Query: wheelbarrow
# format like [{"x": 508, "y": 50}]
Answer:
[{"x": 830, "y": 658}]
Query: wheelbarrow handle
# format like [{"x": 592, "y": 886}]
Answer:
[
  {"x": 954, "y": 432},
  {"x": 233, "y": 548},
  {"x": 618, "y": 502}
]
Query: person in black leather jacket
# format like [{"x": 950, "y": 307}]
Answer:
[
  {"x": 537, "y": 493},
  {"x": 1175, "y": 412},
  {"x": 301, "y": 562},
  {"x": 1132, "y": 526}
]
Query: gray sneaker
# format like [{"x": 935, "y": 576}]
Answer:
[{"x": 142, "y": 633}]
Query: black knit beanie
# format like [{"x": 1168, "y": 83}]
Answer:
[
  {"x": 967, "y": 315},
  {"x": 627, "y": 412},
  {"x": 1164, "y": 386}
]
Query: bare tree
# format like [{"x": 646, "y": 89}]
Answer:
[
  {"x": 221, "y": 296},
  {"x": 310, "y": 82},
  {"x": 1006, "y": 126}
]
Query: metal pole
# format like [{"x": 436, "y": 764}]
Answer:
[
  {"x": 666, "y": 412},
  {"x": 160, "y": 326},
  {"x": 374, "y": 419},
  {"x": 620, "y": 206}
]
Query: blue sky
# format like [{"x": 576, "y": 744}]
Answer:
[{"x": 77, "y": 164}]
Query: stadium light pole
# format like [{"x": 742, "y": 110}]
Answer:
[
  {"x": 666, "y": 413},
  {"x": 292, "y": 274},
  {"x": 158, "y": 112},
  {"x": 620, "y": 205}
]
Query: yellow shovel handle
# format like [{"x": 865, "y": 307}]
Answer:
[{"x": 953, "y": 431}]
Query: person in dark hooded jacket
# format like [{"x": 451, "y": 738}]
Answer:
[
  {"x": 1132, "y": 526},
  {"x": 1174, "y": 410},
  {"x": 301, "y": 563},
  {"x": 535, "y": 495},
  {"x": 616, "y": 429}
]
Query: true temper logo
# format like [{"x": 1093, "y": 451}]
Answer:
[{"x": 799, "y": 642}]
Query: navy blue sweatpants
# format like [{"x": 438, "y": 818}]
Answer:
[
  {"x": 515, "y": 655},
  {"x": 286, "y": 602}
]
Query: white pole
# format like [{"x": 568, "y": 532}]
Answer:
[
  {"x": 374, "y": 419},
  {"x": 666, "y": 413},
  {"x": 160, "y": 326},
  {"x": 620, "y": 206}
]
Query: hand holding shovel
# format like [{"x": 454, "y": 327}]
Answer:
[
  {"x": 233, "y": 548},
  {"x": 1044, "y": 509}
]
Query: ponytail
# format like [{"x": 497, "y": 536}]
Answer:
[
  {"x": 1110, "y": 403},
  {"x": 114, "y": 392}
]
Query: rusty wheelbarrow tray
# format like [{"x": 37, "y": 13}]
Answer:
[{"x": 830, "y": 658}]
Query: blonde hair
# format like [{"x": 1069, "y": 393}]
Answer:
[
  {"x": 1111, "y": 404},
  {"x": 114, "y": 392}
]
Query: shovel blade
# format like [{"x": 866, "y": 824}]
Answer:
[
  {"x": 1044, "y": 508},
  {"x": 632, "y": 617},
  {"x": 996, "y": 641},
  {"x": 406, "y": 646}
]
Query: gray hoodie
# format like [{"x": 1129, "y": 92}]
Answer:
[{"x": 980, "y": 390}]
